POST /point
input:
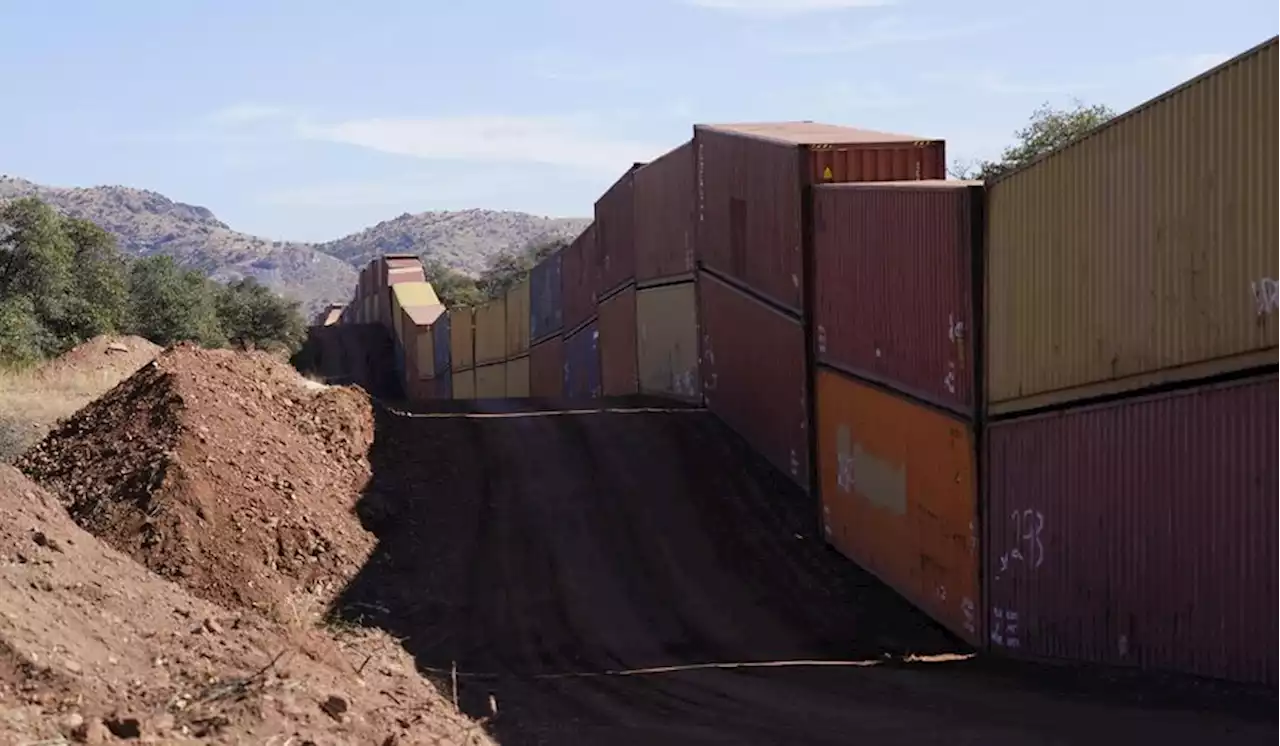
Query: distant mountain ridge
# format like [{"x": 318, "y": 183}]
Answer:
[{"x": 146, "y": 223}]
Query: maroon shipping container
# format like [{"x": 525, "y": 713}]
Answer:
[
  {"x": 1140, "y": 532},
  {"x": 665, "y": 200},
  {"x": 616, "y": 234},
  {"x": 893, "y": 285},
  {"x": 546, "y": 368},
  {"x": 750, "y": 180},
  {"x": 578, "y": 279},
  {"x": 753, "y": 374},
  {"x": 619, "y": 373}
]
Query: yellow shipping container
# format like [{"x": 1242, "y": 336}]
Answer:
[
  {"x": 464, "y": 384},
  {"x": 667, "y": 341},
  {"x": 518, "y": 320},
  {"x": 491, "y": 381},
  {"x": 518, "y": 377},
  {"x": 462, "y": 340},
  {"x": 491, "y": 332},
  {"x": 1143, "y": 253}
]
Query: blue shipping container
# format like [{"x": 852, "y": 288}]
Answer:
[
  {"x": 545, "y": 317},
  {"x": 444, "y": 385},
  {"x": 582, "y": 363},
  {"x": 440, "y": 344}
]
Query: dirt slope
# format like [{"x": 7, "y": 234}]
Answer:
[{"x": 536, "y": 552}]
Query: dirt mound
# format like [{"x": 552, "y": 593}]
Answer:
[
  {"x": 222, "y": 471},
  {"x": 94, "y": 647},
  {"x": 108, "y": 356}
]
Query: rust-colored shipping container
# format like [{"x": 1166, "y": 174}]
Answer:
[
  {"x": 750, "y": 180},
  {"x": 616, "y": 234},
  {"x": 1143, "y": 253},
  {"x": 667, "y": 341},
  {"x": 665, "y": 202},
  {"x": 491, "y": 381},
  {"x": 617, "y": 324},
  {"x": 518, "y": 319},
  {"x": 464, "y": 384},
  {"x": 419, "y": 342},
  {"x": 894, "y": 272},
  {"x": 462, "y": 340},
  {"x": 899, "y": 496},
  {"x": 546, "y": 368},
  {"x": 578, "y": 272},
  {"x": 1141, "y": 532},
  {"x": 518, "y": 377},
  {"x": 491, "y": 332},
  {"x": 753, "y": 374}
]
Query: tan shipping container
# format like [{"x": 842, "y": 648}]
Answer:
[
  {"x": 464, "y": 384},
  {"x": 518, "y": 319},
  {"x": 518, "y": 377},
  {"x": 462, "y": 341},
  {"x": 1143, "y": 253},
  {"x": 667, "y": 341},
  {"x": 491, "y": 332},
  {"x": 491, "y": 381}
]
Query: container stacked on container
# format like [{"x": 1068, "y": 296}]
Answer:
[
  {"x": 462, "y": 352},
  {"x": 1131, "y": 453},
  {"x": 518, "y": 330},
  {"x": 546, "y": 321},
  {"x": 414, "y": 309},
  {"x": 615, "y": 221},
  {"x": 579, "y": 280}
]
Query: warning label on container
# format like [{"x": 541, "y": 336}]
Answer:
[{"x": 826, "y": 174}]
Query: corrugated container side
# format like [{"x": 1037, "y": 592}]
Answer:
[
  {"x": 444, "y": 385},
  {"x": 464, "y": 384},
  {"x": 665, "y": 206},
  {"x": 491, "y": 381},
  {"x": 893, "y": 282},
  {"x": 546, "y": 368},
  {"x": 544, "y": 297},
  {"x": 518, "y": 319},
  {"x": 397, "y": 319},
  {"x": 1143, "y": 253},
  {"x": 753, "y": 374},
  {"x": 408, "y": 349},
  {"x": 616, "y": 235},
  {"x": 582, "y": 363},
  {"x": 441, "y": 344},
  {"x": 491, "y": 332},
  {"x": 518, "y": 377},
  {"x": 578, "y": 279},
  {"x": 899, "y": 497},
  {"x": 462, "y": 339},
  {"x": 423, "y": 347},
  {"x": 667, "y": 341},
  {"x": 917, "y": 161},
  {"x": 1140, "y": 532},
  {"x": 617, "y": 324}
]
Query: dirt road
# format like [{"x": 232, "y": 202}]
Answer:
[{"x": 530, "y": 549}]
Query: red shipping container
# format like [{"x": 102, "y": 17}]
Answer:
[
  {"x": 753, "y": 374},
  {"x": 665, "y": 200},
  {"x": 619, "y": 371},
  {"x": 893, "y": 281},
  {"x": 578, "y": 273},
  {"x": 546, "y": 368},
  {"x": 616, "y": 234},
  {"x": 1141, "y": 532},
  {"x": 751, "y": 178}
]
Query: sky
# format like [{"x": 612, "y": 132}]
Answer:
[{"x": 310, "y": 120}]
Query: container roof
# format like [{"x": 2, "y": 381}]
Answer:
[
  {"x": 415, "y": 294},
  {"x": 918, "y": 184},
  {"x": 812, "y": 133},
  {"x": 424, "y": 315}
]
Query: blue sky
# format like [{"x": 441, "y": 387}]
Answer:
[{"x": 310, "y": 120}]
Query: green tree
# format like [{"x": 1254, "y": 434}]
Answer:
[
  {"x": 101, "y": 279},
  {"x": 454, "y": 289},
  {"x": 1047, "y": 130},
  {"x": 508, "y": 268},
  {"x": 168, "y": 304},
  {"x": 22, "y": 338},
  {"x": 251, "y": 316}
]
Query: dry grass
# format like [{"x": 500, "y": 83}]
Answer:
[{"x": 32, "y": 402}]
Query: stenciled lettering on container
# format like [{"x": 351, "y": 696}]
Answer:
[
  {"x": 1028, "y": 548},
  {"x": 970, "y": 611},
  {"x": 1265, "y": 295},
  {"x": 822, "y": 339},
  {"x": 1004, "y": 627},
  {"x": 858, "y": 471},
  {"x": 955, "y": 333}
]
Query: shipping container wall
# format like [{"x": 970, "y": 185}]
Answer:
[
  {"x": 582, "y": 363},
  {"x": 518, "y": 377},
  {"x": 544, "y": 297},
  {"x": 1139, "y": 533},
  {"x": 409, "y": 368},
  {"x": 578, "y": 280},
  {"x": 491, "y": 332},
  {"x": 423, "y": 349},
  {"x": 893, "y": 281},
  {"x": 464, "y": 384},
  {"x": 665, "y": 201},
  {"x": 753, "y": 374},
  {"x": 899, "y": 496},
  {"x": 462, "y": 339},
  {"x": 518, "y": 319},
  {"x": 491, "y": 381},
  {"x": 444, "y": 385},
  {"x": 617, "y": 324},
  {"x": 616, "y": 235},
  {"x": 441, "y": 344},
  {"x": 667, "y": 341},
  {"x": 546, "y": 368},
  {"x": 914, "y": 161},
  {"x": 1143, "y": 253}
]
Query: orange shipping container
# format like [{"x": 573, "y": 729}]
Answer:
[
  {"x": 667, "y": 341},
  {"x": 546, "y": 368},
  {"x": 899, "y": 497},
  {"x": 518, "y": 377},
  {"x": 617, "y": 325},
  {"x": 464, "y": 384},
  {"x": 491, "y": 332},
  {"x": 491, "y": 381},
  {"x": 518, "y": 319},
  {"x": 462, "y": 340}
]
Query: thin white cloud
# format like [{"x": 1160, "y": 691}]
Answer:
[
  {"x": 247, "y": 113},
  {"x": 881, "y": 32},
  {"x": 999, "y": 84},
  {"x": 786, "y": 7}
]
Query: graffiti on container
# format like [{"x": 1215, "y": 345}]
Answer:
[
  {"x": 822, "y": 339},
  {"x": 955, "y": 329},
  {"x": 950, "y": 380},
  {"x": 1004, "y": 627},
  {"x": 1265, "y": 295},
  {"x": 969, "y": 609},
  {"x": 682, "y": 383},
  {"x": 1028, "y": 526}
]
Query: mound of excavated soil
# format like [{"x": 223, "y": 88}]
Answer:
[
  {"x": 96, "y": 649},
  {"x": 219, "y": 470},
  {"x": 107, "y": 356}
]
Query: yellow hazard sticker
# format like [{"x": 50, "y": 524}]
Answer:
[{"x": 826, "y": 173}]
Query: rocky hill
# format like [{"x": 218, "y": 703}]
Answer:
[{"x": 146, "y": 223}]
